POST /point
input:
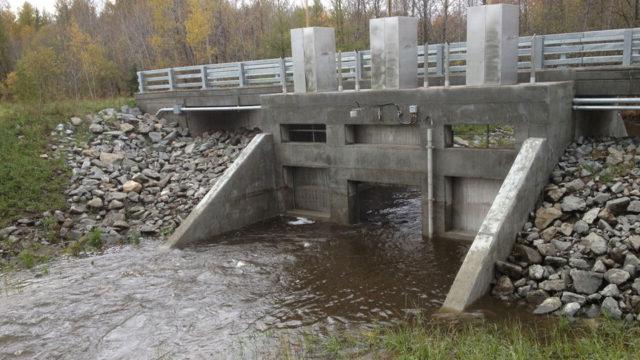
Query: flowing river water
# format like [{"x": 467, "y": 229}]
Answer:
[{"x": 243, "y": 295}]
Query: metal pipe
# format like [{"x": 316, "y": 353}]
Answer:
[
  {"x": 606, "y": 100},
  {"x": 178, "y": 109},
  {"x": 606, "y": 107},
  {"x": 430, "y": 182}
]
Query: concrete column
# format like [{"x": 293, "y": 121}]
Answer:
[
  {"x": 314, "y": 59},
  {"x": 492, "y": 45},
  {"x": 394, "y": 59}
]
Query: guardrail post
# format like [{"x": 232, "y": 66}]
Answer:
[
  {"x": 627, "y": 47},
  {"x": 426, "y": 65},
  {"x": 537, "y": 52},
  {"x": 358, "y": 69},
  {"x": 533, "y": 59},
  {"x": 283, "y": 75},
  {"x": 339, "y": 71},
  {"x": 440, "y": 59},
  {"x": 446, "y": 65},
  {"x": 241, "y": 77},
  {"x": 203, "y": 75},
  {"x": 140, "y": 82},
  {"x": 171, "y": 79}
]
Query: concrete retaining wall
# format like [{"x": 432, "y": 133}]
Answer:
[
  {"x": 244, "y": 195},
  {"x": 508, "y": 213}
]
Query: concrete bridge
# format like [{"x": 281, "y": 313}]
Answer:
[{"x": 322, "y": 142}]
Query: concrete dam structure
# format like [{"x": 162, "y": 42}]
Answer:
[{"x": 334, "y": 132}]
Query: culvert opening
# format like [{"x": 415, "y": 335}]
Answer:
[{"x": 387, "y": 204}]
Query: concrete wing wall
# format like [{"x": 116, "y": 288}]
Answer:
[
  {"x": 244, "y": 195},
  {"x": 508, "y": 213}
]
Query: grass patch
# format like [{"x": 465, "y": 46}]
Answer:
[
  {"x": 94, "y": 238},
  {"x": 553, "y": 339},
  {"x": 28, "y": 183},
  {"x": 133, "y": 238}
]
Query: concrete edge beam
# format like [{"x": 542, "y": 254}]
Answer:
[
  {"x": 508, "y": 213},
  {"x": 243, "y": 195}
]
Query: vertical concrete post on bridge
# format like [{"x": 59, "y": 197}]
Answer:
[
  {"x": 314, "y": 59},
  {"x": 492, "y": 45},
  {"x": 394, "y": 59}
]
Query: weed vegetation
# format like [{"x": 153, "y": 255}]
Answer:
[
  {"x": 29, "y": 182},
  {"x": 33, "y": 181},
  {"x": 552, "y": 338}
]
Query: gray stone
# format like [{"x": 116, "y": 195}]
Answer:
[
  {"x": 585, "y": 282},
  {"x": 568, "y": 297},
  {"x": 547, "y": 249},
  {"x": 548, "y": 306},
  {"x": 575, "y": 185},
  {"x": 617, "y": 187},
  {"x": 96, "y": 128},
  {"x": 529, "y": 255},
  {"x": 566, "y": 229},
  {"x": 571, "y": 309},
  {"x": 115, "y": 204},
  {"x": 579, "y": 263},
  {"x": 76, "y": 121},
  {"x": 636, "y": 285},
  {"x": 125, "y": 127},
  {"x": 536, "y": 297},
  {"x": 151, "y": 174},
  {"x": 596, "y": 243},
  {"x": 616, "y": 276},
  {"x": 634, "y": 241},
  {"x": 618, "y": 206},
  {"x": 591, "y": 215},
  {"x": 634, "y": 206},
  {"x": 599, "y": 267},
  {"x": 512, "y": 270},
  {"x": 546, "y": 216},
  {"x": 615, "y": 156},
  {"x": 601, "y": 198},
  {"x": 572, "y": 203},
  {"x": 555, "y": 261},
  {"x": 553, "y": 285},
  {"x": 95, "y": 203},
  {"x": 536, "y": 272},
  {"x": 155, "y": 137},
  {"x": 610, "y": 290},
  {"x": 581, "y": 227},
  {"x": 611, "y": 309}
]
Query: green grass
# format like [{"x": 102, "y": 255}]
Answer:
[
  {"x": 94, "y": 238},
  {"x": 552, "y": 339},
  {"x": 28, "y": 183}
]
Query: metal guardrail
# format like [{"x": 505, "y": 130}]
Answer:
[{"x": 595, "y": 48}]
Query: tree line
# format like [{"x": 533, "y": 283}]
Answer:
[{"x": 81, "y": 51}]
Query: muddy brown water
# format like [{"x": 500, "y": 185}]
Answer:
[{"x": 237, "y": 297}]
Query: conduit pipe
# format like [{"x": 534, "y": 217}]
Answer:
[
  {"x": 179, "y": 109},
  {"x": 430, "y": 181}
]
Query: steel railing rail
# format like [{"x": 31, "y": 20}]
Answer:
[
  {"x": 620, "y": 47},
  {"x": 180, "y": 109},
  {"x": 611, "y": 103}
]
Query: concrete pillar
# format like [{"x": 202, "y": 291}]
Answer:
[
  {"x": 394, "y": 58},
  {"x": 314, "y": 59},
  {"x": 492, "y": 44}
]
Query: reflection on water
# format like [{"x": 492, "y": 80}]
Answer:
[{"x": 231, "y": 298}]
